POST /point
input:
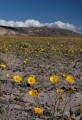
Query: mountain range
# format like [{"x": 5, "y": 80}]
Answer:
[{"x": 36, "y": 31}]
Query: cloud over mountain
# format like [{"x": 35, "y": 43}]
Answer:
[{"x": 36, "y": 23}]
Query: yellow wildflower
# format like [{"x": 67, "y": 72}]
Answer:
[
  {"x": 25, "y": 61},
  {"x": 6, "y": 49},
  {"x": 59, "y": 90},
  {"x": 38, "y": 110},
  {"x": 63, "y": 74},
  {"x": 33, "y": 93},
  {"x": 54, "y": 78},
  {"x": 31, "y": 79},
  {"x": 3, "y": 65},
  {"x": 17, "y": 78},
  {"x": 70, "y": 79},
  {"x": 72, "y": 88},
  {"x": 81, "y": 50},
  {"x": 8, "y": 75},
  {"x": 81, "y": 110}
]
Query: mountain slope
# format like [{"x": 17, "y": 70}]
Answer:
[{"x": 36, "y": 31}]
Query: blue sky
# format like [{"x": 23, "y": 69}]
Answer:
[{"x": 44, "y": 11}]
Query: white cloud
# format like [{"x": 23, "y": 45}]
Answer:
[
  {"x": 79, "y": 30},
  {"x": 65, "y": 25},
  {"x": 36, "y": 23}
]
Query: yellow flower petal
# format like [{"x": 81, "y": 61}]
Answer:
[
  {"x": 70, "y": 79},
  {"x": 17, "y": 78},
  {"x": 72, "y": 88},
  {"x": 38, "y": 110},
  {"x": 3, "y": 65},
  {"x": 31, "y": 79},
  {"x": 81, "y": 110},
  {"x": 54, "y": 78},
  {"x": 8, "y": 75},
  {"x": 63, "y": 74},
  {"x": 33, "y": 93},
  {"x": 59, "y": 90}
]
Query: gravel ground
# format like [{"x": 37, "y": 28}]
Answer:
[{"x": 18, "y": 104}]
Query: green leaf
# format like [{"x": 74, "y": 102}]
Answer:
[{"x": 77, "y": 112}]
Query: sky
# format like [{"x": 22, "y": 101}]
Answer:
[{"x": 52, "y": 13}]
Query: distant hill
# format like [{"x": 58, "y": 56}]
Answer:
[{"x": 36, "y": 31}]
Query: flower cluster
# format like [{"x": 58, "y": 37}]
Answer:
[{"x": 53, "y": 79}]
